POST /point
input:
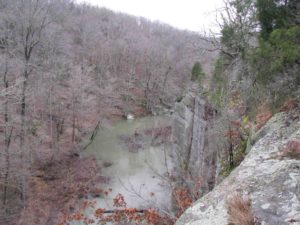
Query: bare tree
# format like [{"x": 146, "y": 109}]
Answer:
[
  {"x": 237, "y": 24},
  {"x": 32, "y": 19}
]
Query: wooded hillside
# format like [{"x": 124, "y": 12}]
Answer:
[{"x": 64, "y": 68}]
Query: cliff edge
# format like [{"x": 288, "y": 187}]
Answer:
[{"x": 269, "y": 177}]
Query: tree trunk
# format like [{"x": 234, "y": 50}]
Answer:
[
  {"x": 7, "y": 136},
  {"x": 165, "y": 81},
  {"x": 22, "y": 134},
  {"x": 231, "y": 161}
]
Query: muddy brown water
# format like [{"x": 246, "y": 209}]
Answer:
[{"x": 133, "y": 159}]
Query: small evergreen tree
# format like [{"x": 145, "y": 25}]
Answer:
[{"x": 197, "y": 72}]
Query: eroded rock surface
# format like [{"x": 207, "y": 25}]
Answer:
[
  {"x": 190, "y": 124},
  {"x": 271, "y": 180}
]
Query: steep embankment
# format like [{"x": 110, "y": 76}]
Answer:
[{"x": 269, "y": 176}]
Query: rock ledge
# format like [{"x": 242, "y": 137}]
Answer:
[{"x": 271, "y": 181}]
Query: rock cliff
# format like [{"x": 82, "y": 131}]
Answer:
[
  {"x": 190, "y": 124},
  {"x": 269, "y": 176}
]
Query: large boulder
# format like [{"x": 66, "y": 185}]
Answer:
[{"x": 267, "y": 176}]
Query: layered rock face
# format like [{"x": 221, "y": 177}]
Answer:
[
  {"x": 191, "y": 121},
  {"x": 268, "y": 176}
]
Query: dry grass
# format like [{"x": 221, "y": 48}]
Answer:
[
  {"x": 289, "y": 105},
  {"x": 239, "y": 211},
  {"x": 292, "y": 149},
  {"x": 262, "y": 119}
]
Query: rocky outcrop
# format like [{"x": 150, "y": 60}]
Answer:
[
  {"x": 267, "y": 176},
  {"x": 189, "y": 134}
]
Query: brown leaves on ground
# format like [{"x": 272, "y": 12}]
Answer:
[
  {"x": 289, "y": 105},
  {"x": 119, "y": 201},
  {"x": 56, "y": 187},
  {"x": 183, "y": 199},
  {"x": 120, "y": 214},
  {"x": 239, "y": 211},
  {"x": 262, "y": 119}
]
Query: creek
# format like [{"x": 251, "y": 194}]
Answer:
[{"x": 134, "y": 155}]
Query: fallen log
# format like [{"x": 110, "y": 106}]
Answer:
[{"x": 124, "y": 210}]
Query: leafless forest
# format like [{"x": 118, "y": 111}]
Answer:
[{"x": 64, "y": 68}]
